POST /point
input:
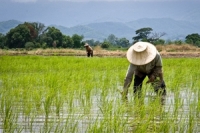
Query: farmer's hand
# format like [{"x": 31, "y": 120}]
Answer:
[{"x": 151, "y": 79}]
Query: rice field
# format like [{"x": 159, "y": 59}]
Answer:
[{"x": 62, "y": 94}]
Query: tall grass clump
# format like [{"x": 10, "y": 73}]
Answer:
[{"x": 80, "y": 94}]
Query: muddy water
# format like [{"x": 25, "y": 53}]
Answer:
[{"x": 180, "y": 108}]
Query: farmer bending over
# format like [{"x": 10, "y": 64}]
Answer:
[
  {"x": 144, "y": 60},
  {"x": 89, "y": 50}
]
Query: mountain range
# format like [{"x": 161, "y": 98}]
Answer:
[{"x": 174, "y": 29}]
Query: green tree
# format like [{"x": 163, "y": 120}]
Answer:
[
  {"x": 29, "y": 45},
  {"x": 193, "y": 39},
  {"x": 154, "y": 38},
  {"x": 197, "y": 43},
  {"x": 142, "y": 34},
  {"x": 178, "y": 42},
  {"x": 53, "y": 37},
  {"x": 67, "y": 42},
  {"x": 123, "y": 42},
  {"x": 35, "y": 29},
  {"x": 159, "y": 41},
  {"x": 32, "y": 30},
  {"x": 90, "y": 42},
  {"x": 97, "y": 43},
  {"x": 112, "y": 39},
  {"x": 145, "y": 34},
  {"x": 46, "y": 41},
  {"x": 17, "y": 37},
  {"x": 39, "y": 27},
  {"x": 77, "y": 40},
  {"x": 105, "y": 44},
  {"x": 2, "y": 41}
]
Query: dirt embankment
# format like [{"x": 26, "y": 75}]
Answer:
[
  {"x": 166, "y": 51},
  {"x": 179, "y": 50}
]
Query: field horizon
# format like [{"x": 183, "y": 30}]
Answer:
[{"x": 166, "y": 51}]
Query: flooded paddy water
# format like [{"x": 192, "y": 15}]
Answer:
[
  {"x": 59, "y": 95},
  {"x": 174, "y": 113}
]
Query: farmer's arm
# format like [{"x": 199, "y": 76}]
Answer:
[
  {"x": 157, "y": 71},
  {"x": 158, "y": 68},
  {"x": 129, "y": 76},
  {"x": 128, "y": 79}
]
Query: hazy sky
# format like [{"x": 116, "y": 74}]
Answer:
[
  {"x": 75, "y": 12},
  {"x": 94, "y": 0}
]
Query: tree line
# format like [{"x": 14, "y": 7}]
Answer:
[{"x": 37, "y": 35}]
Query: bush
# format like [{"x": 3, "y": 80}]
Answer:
[
  {"x": 105, "y": 44},
  {"x": 44, "y": 45},
  {"x": 29, "y": 45},
  {"x": 197, "y": 43}
]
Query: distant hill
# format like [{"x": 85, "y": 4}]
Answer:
[
  {"x": 5, "y": 26},
  {"x": 99, "y": 31},
  {"x": 175, "y": 30}
]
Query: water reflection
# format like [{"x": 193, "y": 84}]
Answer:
[
  {"x": 145, "y": 112},
  {"x": 176, "y": 112}
]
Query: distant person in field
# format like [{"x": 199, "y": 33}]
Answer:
[
  {"x": 89, "y": 50},
  {"x": 144, "y": 60}
]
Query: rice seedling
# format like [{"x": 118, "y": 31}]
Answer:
[{"x": 80, "y": 94}]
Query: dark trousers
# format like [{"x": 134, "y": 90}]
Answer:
[
  {"x": 90, "y": 54},
  {"x": 138, "y": 86}
]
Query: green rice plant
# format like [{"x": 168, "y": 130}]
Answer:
[
  {"x": 80, "y": 94},
  {"x": 48, "y": 99},
  {"x": 58, "y": 103},
  {"x": 8, "y": 116},
  {"x": 198, "y": 104}
]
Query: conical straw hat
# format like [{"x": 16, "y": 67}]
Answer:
[
  {"x": 141, "y": 53},
  {"x": 86, "y": 45}
]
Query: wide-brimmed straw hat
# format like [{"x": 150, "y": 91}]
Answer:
[
  {"x": 141, "y": 53},
  {"x": 86, "y": 44}
]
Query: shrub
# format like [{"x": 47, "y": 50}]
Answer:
[
  {"x": 29, "y": 45},
  {"x": 105, "y": 44}
]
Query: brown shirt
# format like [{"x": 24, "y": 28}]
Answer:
[
  {"x": 88, "y": 49},
  {"x": 152, "y": 68}
]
